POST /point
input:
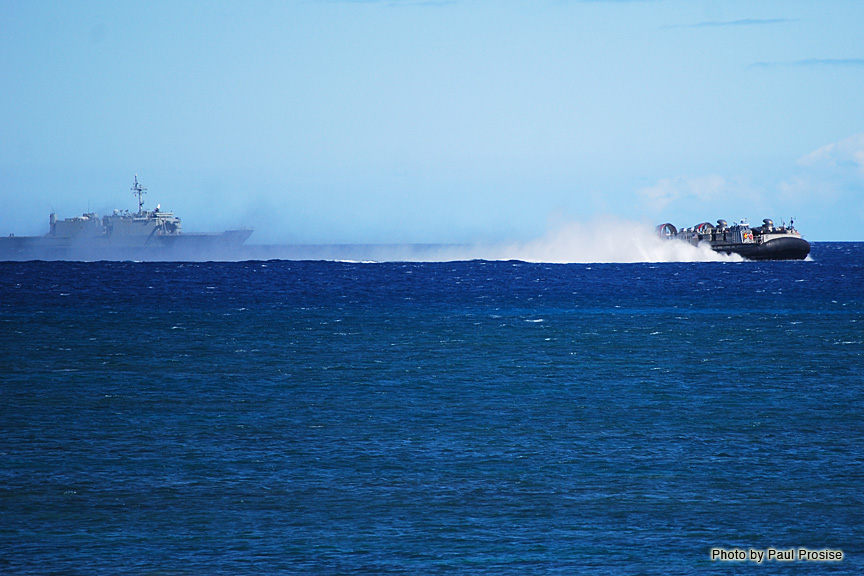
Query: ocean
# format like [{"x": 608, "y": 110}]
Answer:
[{"x": 472, "y": 417}]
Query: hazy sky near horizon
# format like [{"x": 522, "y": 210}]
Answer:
[{"x": 434, "y": 121}]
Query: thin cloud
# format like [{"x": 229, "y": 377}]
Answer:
[
  {"x": 831, "y": 175},
  {"x": 670, "y": 190},
  {"x": 848, "y": 152},
  {"x": 394, "y": 2},
  {"x": 565, "y": 2},
  {"x": 735, "y": 23},
  {"x": 812, "y": 62}
]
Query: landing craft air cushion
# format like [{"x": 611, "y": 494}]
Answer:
[{"x": 766, "y": 242}]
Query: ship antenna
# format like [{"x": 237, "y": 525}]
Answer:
[{"x": 139, "y": 191}]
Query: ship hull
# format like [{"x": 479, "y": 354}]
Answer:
[{"x": 787, "y": 248}]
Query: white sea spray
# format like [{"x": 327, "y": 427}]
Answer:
[{"x": 606, "y": 240}]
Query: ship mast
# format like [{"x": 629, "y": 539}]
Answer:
[{"x": 139, "y": 191}]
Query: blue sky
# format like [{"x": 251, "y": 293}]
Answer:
[{"x": 427, "y": 121}]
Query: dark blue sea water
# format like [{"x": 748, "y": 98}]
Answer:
[{"x": 431, "y": 418}]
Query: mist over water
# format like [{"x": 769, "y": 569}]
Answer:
[{"x": 599, "y": 241}]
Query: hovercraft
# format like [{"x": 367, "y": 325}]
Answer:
[{"x": 765, "y": 242}]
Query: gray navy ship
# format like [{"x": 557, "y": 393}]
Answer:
[
  {"x": 143, "y": 235},
  {"x": 765, "y": 242}
]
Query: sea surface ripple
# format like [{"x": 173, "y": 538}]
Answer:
[{"x": 430, "y": 418}]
